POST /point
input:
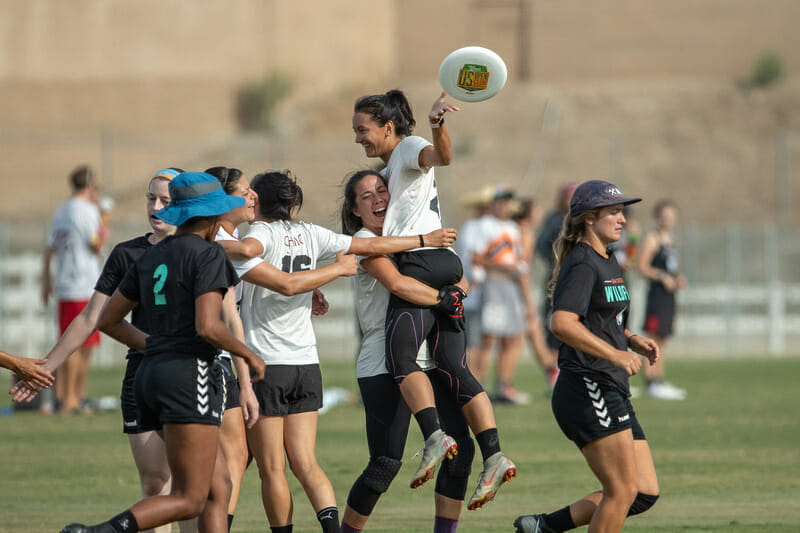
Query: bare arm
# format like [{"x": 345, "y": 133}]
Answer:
[
  {"x": 407, "y": 288},
  {"x": 567, "y": 326},
  {"x": 441, "y": 153},
  {"x": 47, "y": 279},
  {"x": 232, "y": 320},
  {"x": 247, "y": 248},
  {"x": 208, "y": 308},
  {"x": 389, "y": 245},
  {"x": 31, "y": 370},
  {"x": 112, "y": 322},
  {"x": 268, "y": 276}
]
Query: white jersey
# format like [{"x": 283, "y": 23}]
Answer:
[
  {"x": 414, "y": 205},
  {"x": 499, "y": 240},
  {"x": 371, "y": 299},
  {"x": 242, "y": 267},
  {"x": 74, "y": 228},
  {"x": 277, "y": 327}
]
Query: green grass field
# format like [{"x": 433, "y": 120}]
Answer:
[{"x": 728, "y": 459}]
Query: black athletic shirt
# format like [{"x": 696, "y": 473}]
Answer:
[
  {"x": 591, "y": 286},
  {"x": 666, "y": 259},
  {"x": 121, "y": 258},
  {"x": 165, "y": 282}
]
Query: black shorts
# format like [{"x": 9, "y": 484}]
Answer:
[
  {"x": 229, "y": 384},
  {"x": 289, "y": 389},
  {"x": 130, "y": 411},
  {"x": 436, "y": 267},
  {"x": 586, "y": 411},
  {"x": 660, "y": 312},
  {"x": 178, "y": 389}
]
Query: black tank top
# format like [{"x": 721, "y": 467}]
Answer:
[{"x": 666, "y": 259}]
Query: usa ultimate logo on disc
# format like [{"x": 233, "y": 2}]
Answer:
[{"x": 473, "y": 74}]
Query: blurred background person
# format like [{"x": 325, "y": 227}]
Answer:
[
  {"x": 528, "y": 215},
  {"x": 551, "y": 227},
  {"x": 658, "y": 262},
  {"x": 467, "y": 241},
  {"x": 506, "y": 298},
  {"x": 75, "y": 240}
]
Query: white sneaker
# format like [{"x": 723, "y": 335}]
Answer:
[
  {"x": 665, "y": 391},
  {"x": 497, "y": 469},
  {"x": 438, "y": 446}
]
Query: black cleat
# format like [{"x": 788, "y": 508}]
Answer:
[
  {"x": 75, "y": 528},
  {"x": 532, "y": 523}
]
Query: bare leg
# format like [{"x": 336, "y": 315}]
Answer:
[
  {"x": 417, "y": 391},
  {"x": 233, "y": 441},
  {"x": 84, "y": 357},
  {"x": 192, "y": 454},
  {"x": 150, "y": 456},
  {"x": 613, "y": 461},
  {"x": 508, "y": 358},
  {"x": 481, "y": 362},
  {"x": 546, "y": 357},
  {"x": 479, "y": 414},
  {"x": 68, "y": 377},
  {"x": 266, "y": 441},
  {"x": 300, "y": 434},
  {"x": 655, "y": 372},
  {"x": 448, "y": 507},
  {"x": 214, "y": 517}
]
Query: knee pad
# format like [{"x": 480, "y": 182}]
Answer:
[
  {"x": 642, "y": 503},
  {"x": 380, "y": 472},
  {"x": 461, "y": 464}
]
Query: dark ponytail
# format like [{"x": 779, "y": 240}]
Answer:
[
  {"x": 350, "y": 222},
  {"x": 393, "y": 105},
  {"x": 228, "y": 177},
  {"x": 278, "y": 194}
]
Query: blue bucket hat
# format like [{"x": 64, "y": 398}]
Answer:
[
  {"x": 196, "y": 194},
  {"x": 596, "y": 193}
]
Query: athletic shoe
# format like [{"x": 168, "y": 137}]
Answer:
[
  {"x": 497, "y": 469},
  {"x": 438, "y": 446},
  {"x": 105, "y": 527},
  {"x": 532, "y": 523},
  {"x": 663, "y": 390},
  {"x": 511, "y": 395},
  {"x": 75, "y": 528}
]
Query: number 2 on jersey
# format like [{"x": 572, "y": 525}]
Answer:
[{"x": 160, "y": 275}]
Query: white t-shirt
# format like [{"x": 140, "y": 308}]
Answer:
[
  {"x": 371, "y": 299},
  {"x": 414, "y": 205},
  {"x": 73, "y": 229},
  {"x": 277, "y": 327},
  {"x": 242, "y": 267}
]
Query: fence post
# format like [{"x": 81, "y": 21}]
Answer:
[
  {"x": 733, "y": 247},
  {"x": 776, "y": 342}
]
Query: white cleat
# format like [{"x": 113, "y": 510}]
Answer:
[
  {"x": 497, "y": 469},
  {"x": 438, "y": 446}
]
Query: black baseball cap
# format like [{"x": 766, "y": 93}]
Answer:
[{"x": 597, "y": 193}]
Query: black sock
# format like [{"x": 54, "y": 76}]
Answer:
[
  {"x": 230, "y": 522},
  {"x": 560, "y": 520},
  {"x": 124, "y": 522},
  {"x": 329, "y": 520},
  {"x": 428, "y": 420},
  {"x": 281, "y": 529},
  {"x": 489, "y": 442}
]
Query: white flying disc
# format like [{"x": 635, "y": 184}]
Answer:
[{"x": 472, "y": 74}]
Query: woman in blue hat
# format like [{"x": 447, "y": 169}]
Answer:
[
  {"x": 178, "y": 286},
  {"x": 591, "y": 398}
]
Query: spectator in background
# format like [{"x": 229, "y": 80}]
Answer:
[
  {"x": 658, "y": 262},
  {"x": 544, "y": 247},
  {"x": 625, "y": 249},
  {"x": 467, "y": 241},
  {"x": 106, "y": 206},
  {"x": 527, "y": 215},
  {"x": 506, "y": 296},
  {"x": 75, "y": 240}
]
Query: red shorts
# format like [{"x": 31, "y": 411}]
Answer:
[{"x": 67, "y": 311}]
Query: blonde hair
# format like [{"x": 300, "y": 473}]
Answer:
[{"x": 572, "y": 232}]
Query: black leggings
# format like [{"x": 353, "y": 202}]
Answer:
[
  {"x": 387, "y": 421},
  {"x": 409, "y": 325}
]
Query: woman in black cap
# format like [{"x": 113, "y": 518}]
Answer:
[
  {"x": 178, "y": 286},
  {"x": 591, "y": 396}
]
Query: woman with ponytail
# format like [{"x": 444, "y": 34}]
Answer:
[
  {"x": 591, "y": 398},
  {"x": 383, "y": 125}
]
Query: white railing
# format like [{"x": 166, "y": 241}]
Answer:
[{"x": 713, "y": 319}]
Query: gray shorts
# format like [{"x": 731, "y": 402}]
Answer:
[{"x": 503, "y": 311}]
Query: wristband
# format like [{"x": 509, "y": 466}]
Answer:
[
  {"x": 421, "y": 241},
  {"x": 628, "y": 340},
  {"x": 435, "y": 125}
]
